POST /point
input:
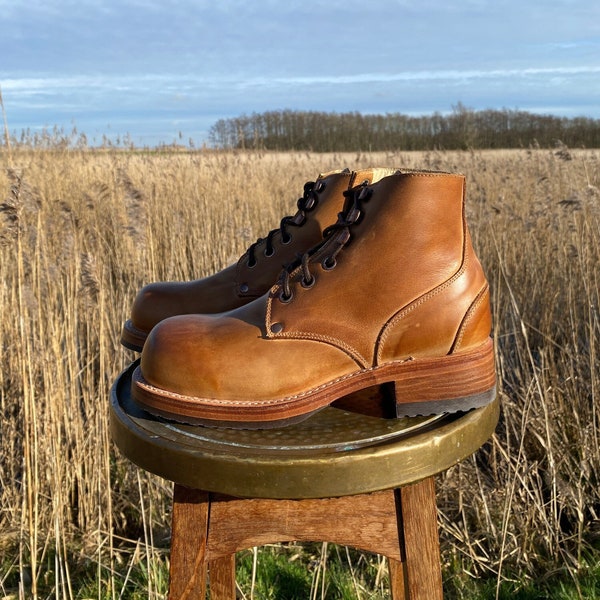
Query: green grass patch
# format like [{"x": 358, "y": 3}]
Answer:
[{"x": 302, "y": 571}]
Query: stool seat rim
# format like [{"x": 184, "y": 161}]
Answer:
[{"x": 396, "y": 454}]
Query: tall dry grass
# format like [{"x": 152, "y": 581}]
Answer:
[{"x": 82, "y": 231}]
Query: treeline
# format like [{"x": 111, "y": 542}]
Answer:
[{"x": 463, "y": 128}]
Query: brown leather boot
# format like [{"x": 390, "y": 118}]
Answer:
[
  {"x": 395, "y": 294},
  {"x": 256, "y": 271}
]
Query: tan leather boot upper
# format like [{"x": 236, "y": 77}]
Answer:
[
  {"x": 256, "y": 270},
  {"x": 395, "y": 294}
]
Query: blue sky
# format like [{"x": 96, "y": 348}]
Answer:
[{"x": 154, "y": 68}]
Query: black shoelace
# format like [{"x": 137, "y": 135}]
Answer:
[
  {"x": 336, "y": 237},
  {"x": 305, "y": 204}
]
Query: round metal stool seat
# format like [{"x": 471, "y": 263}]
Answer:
[{"x": 341, "y": 450}]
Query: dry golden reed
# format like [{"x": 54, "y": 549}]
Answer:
[{"x": 82, "y": 231}]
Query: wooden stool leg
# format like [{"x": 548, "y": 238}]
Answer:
[
  {"x": 421, "y": 540},
  {"x": 221, "y": 577},
  {"x": 412, "y": 546},
  {"x": 397, "y": 580},
  {"x": 189, "y": 532}
]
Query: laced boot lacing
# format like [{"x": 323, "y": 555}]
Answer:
[
  {"x": 336, "y": 237},
  {"x": 307, "y": 203}
]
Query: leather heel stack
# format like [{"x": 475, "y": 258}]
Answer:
[{"x": 458, "y": 382}]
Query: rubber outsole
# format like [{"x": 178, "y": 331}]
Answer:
[{"x": 132, "y": 337}]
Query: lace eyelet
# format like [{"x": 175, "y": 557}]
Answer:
[
  {"x": 269, "y": 254},
  {"x": 244, "y": 288},
  {"x": 287, "y": 239},
  {"x": 307, "y": 284},
  {"x": 320, "y": 186},
  {"x": 285, "y": 299},
  {"x": 252, "y": 264},
  {"x": 328, "y": 263}
]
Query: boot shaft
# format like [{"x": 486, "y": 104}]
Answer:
[
  {"x": 400, "y": 263},
  {"x": 258, "y": 268}
]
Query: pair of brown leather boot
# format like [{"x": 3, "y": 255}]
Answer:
[{"x": 388, "y": 291}]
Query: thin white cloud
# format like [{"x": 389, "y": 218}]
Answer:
[
  {"x": 57, "y": 9},
  {"x": 437, "y": 75},
  {"x": 177, "y": 82}
]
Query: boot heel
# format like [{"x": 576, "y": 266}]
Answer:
[{"x": 458, "y": 382}]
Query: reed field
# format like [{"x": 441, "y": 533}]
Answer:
[{"x": 82, "y": 230}]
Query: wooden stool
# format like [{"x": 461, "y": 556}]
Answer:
[{"x": 346, "y": 475}]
